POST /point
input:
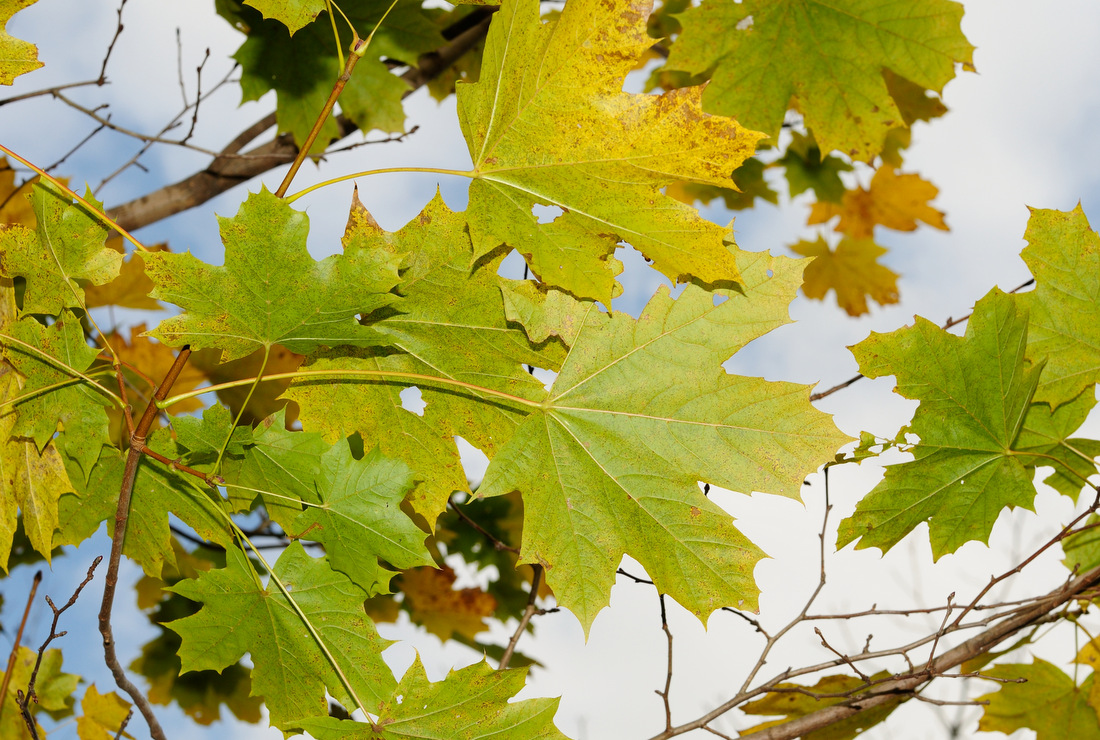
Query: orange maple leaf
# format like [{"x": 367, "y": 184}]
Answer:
[{"x": 894, "y": 201}]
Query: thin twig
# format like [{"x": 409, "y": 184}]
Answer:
[
  {"x": 198, "y": 97},
  {"x": 497, "y": 543},
  {"x": 668, "y": 674},
  {"x": 18, "y": 640},
  {"x": 47, "y": 91},
  {"x": 122, "y": 515},
  {"x": 529, "y": 612},
  {"x": 73, "y": 151},
  {"x": 111, "y": 47}
]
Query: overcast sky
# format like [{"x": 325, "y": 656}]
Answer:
[{"x": 1020, "y": 132}]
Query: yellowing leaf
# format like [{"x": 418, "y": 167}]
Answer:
[
  {"x": 1063, "y": 253},
  {"x": 656, "y": 384},
  {"x": 442, "y": 609},
  {"x": 293, "y": 14},
  {"x": 102, "y": 715},
  {"x": 130, "y": 289},
  {"x": 66, "y": 245},
  {"x": 980, "y": 435},
  {"x": 477, "y": 707},
  {"x": 826, "y": 55},
  {"x": 798, "y": 701},
  {"x": 894, "y": 201},
  {"x": 548, "y": 124},
  {"x": 234, "y": 309},
  {"x": 53, "y": 688},
  {"x": 852, "y": 271},
  {"x": 16, "y": 56},
  {"x": 14, "y": 206},
  {"x": 1049, "y": 703}
]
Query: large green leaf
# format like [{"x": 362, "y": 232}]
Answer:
[
  {"x": 1063, "y": 253},
  {"x": 240, "y": 615},
  {"x": 472, "y": 704},
  {"x": 641, "y": 412},
  {"x": 980, "y": 435},
  {"x": 66, "y": 246},
  {"x": 270, "y": 290},
  {"x": 828, "y": 55},
  {"x": 548, "y": 124},
  {"x": 452, "y": 325}
]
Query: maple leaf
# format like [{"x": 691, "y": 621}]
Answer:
[
  {"x": 1049, "y": 702},
  {"x": 16, "y": 56},
  {"x": 66, "y": 245},
  {"x": 450, "y": 324},
  {"x": 130, "y": 289},
  {"x": 213, "y": 433},
  {"x": 749, "y": 184},
  {"x": 155, "y": 359},
  {"x": 292, "y": 673},
  {"x": 1063, "y": 253},
  {"x": 798, "y": 701},
  {"x": 64, "y": 402},
  {"x": 442, "y": 609},
  {"x": 826, "y": 55},
  {"x": 471, "y": 703},
  {"x": 547, "y": 123},
  {"x": 102, "y": 715},
  {"x": 359, "y": 519},
  {"x": 1082, "y": 549},
  {"x": 294, "y": 14},
  {"x": 974, "y": 418},
  {"x": 852, "y": 270},
  {"x": 656, "y": 384},
  {"x": 806, "y": 169},
  {"x": 302, "y": 68},
  {"x": 236, "y": 308},
  {"x": 894, "y": 201},
  {"x": 261, "y": 399},
  {"x": 53, "y": 689}
]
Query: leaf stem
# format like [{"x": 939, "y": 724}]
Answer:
[
  {"x": 103, "y": 217},
  {"x": 350, "y": 374},
  {"x": 383, "y": 171},
  {"x": 240, "y": 412}
]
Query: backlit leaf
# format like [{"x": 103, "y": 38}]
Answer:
[
  {"x": 807, "y": 170},
  {"x": 1049, "y": 703},
  {"x": 291, "y": 672},
  {"x": 53, "y": 688},
  {"x": 852, "y": 270},
  {"x": 894, "y": 201},
  {"x": 827, "y": 55},
  {"x": 441, "y": 608},
  {"x": 547, "y": 123},
  {"x": 1063, "y": 253},
  {"x": 798, "y": 701},
  {"x": 16, "y": 56},
  {"x": 291, "y": 13},
  {"x": 130, "y": 289},
  {"x": 234, "y": 309},
  {"x": 101, "y": 715},
  {"x": 471, "y": 703},
  {"x": 656, "y": 384}
]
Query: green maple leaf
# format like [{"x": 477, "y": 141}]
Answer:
[
  {"x": 452, "y": 325},
  {"x": 1049, "y": 703},
  {"x": 66, "y": 246},
  {"x": 359, "y": 518},
  {"x": 294, "y": 14},
  {"x": 302, "y": 68},
  {"x": 807, "y": 170},
  {"x": 640, "y": 413},
  {"x": 827, "y": 55},
  {"x": 980, "y": 435},
  {"x": 205, "y": 437},
  {"x": 270, "y": 290},
  {"x": 1063, "y": 253},
  {"x": 548, "y": 124},
  {"x": 292, "y": 673},
  {"x": 471, "y": 703},
  {"x": 1047, "y": 436},
  {"x": 65, "y": 403},
  {"x": 16, "y": 56}
]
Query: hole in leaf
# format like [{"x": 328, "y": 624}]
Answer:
[
  {"x": 720, "y": 299},
  {"x": 546, "y": 214},
  {"x": 413, "y": 400},
  {"x": 771, "y": 273},
  {"x": 474, "y": 461}
]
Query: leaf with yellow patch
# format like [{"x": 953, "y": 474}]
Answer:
[
  {"x": 16, "y": 56},
  {"x": 443, "y": 609},
  {"x": 852, "y": 270}
]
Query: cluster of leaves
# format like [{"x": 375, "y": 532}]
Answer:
[{"x": 313, "y": 441}]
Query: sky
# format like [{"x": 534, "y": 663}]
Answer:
[{"x": 1020, "y": 133}]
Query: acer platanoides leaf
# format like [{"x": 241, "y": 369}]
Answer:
[{"x": 547, "y": 123}]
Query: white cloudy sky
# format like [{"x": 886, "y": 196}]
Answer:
[{"x": 1021, "y": 132}]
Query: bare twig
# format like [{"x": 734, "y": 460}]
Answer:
[
  {"x": 47, "y": 91},
  {"x": 72, "y": 151},
  {"x": 198, "y": 97},
  {"x": 111, "y": 47},
  {"x": 668, "y": 674},
  {"x": 497, "y": 543},
  {"x": 529, "y": 612},
  {"x": 18, "y": 641},
  {"x": 122, "y": 515}
]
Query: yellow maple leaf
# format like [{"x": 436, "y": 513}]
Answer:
[
  {"x": 132, "y": 286},
  {"x": 443, "y": 609},
  {"x": 852, "y": 270},
  {"x": 894, "y": 201}
]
